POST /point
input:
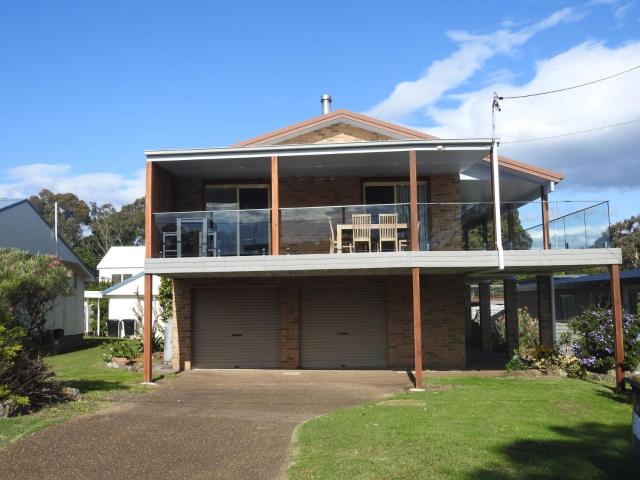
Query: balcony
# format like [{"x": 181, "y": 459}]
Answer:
[{"x": 381, "y": 228}]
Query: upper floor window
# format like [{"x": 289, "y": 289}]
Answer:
[{"x": 116, "y": 277}]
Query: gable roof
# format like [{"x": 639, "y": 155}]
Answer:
[
  {"x": 396, "y": 132},
  {"x": 67, "y": 254},
  {"x": 123, "y": 257},
  {"x": 10, "y": 202}
]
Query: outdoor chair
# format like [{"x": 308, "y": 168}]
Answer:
[
  {"x": 361, "y": 230},
  {"x": 333, "y": 242},
  {"x": 388, "y": 230}
]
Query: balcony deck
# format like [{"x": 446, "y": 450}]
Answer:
[{"x": 472, "y": 263}]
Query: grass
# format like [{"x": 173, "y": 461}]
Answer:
[
  {"x": 85, "y": 371},
  {"x": 479, "y": 428}
]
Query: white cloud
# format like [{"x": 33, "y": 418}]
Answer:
[
  {"x": 597, "y": 159},
  {"x": 100, "y": 187},
  {"x": 621, "y": 11},
  {"x": 448, "y": 73},
  {"x": 594, "y": 161}
]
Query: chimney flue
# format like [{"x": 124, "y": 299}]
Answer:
[{"x": 325, "y": 100}]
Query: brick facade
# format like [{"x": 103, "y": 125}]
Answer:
[
  {"x": 337, "y": 133},
  {"x": 545, "y": 319},
  {"x": 445, "y": 223},
  {"x": 486, "y": 323},
  {"x": 181, "y": 325},
  {"x": 511, "y": 326},
  {"x": 443, "y": 317}
]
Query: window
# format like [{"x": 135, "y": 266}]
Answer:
[
  {"x": 125, "y": 276},
  {"x": 567, "y": 307},
  {"x": 116, "y": 278}
]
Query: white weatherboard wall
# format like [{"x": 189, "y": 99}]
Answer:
[
  {"x": 124, "y": 299},
  {"x": 121, "y": 261}
]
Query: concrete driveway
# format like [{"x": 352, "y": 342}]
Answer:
[{"x": 220, "y": 424}]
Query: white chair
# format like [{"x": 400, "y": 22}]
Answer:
[
  {"x": 334, "y": 247},
  {"x": 388, "y": 230},
  {"x": 361, "y": 230}
]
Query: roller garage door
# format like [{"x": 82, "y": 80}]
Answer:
[
  {"x": 343, "y": 327},
  {"x": 235, "y": 328}
]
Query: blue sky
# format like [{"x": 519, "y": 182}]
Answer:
[{"x": 86, "y": 87}]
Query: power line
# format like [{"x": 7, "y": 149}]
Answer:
[
  {"x": 574, "y": 133},
  {"x": 572, "y": 87}
]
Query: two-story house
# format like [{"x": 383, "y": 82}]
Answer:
[{"x": 345, "y": 241}]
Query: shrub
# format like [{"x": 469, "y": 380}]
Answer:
[
  {"x": 30, "y": 384},
  {"x": 129, "y": 348},
  {"x": 548, "y": 361},
  {"x": 528, "y": 330},
  {"x": 593, "y": 340},
  {"x": 30, "y": 285}
]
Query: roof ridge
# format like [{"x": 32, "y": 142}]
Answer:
[{"x": 319, "y": 119}]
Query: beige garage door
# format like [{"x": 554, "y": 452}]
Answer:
[
  {"x": 343, "y": 327},
  {"x": 235, "y": 328}
]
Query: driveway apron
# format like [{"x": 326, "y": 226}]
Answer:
[{"x": 206, "y": 424}]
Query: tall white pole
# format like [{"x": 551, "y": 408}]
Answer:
[
  {"x": 495, "y": 184},
  {"x": 55, "y": 226},
  {"x": 98, "y": 319}
]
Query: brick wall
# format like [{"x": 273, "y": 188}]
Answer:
[
  {"x": 338, "y": 133},
  {"x": 181, "y": 333},
  {"x": 289, "y": 326},
  {"x": 443, "y": 328},
  {"x": 445, "y": 225},
  {"x": 442, "y": 317},
  {"x": 545, "y": 320}
]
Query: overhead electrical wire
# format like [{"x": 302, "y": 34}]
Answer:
[
  {"x": 572, "y": 87},
  {"x": 574, "y": 133}
]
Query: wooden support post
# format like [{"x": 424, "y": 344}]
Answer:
[
  {"x": 147, "y": 328},
  {"x": 486, "y": 324},
  {"x": 544, "y": 203},
  {"x": 616, "y": 307},
  {"x": 417, "y": 327},
  {"x": 545, "y": 313},
  {"x": 275, "y": 207},
  {"x": 413, "y": 199}
]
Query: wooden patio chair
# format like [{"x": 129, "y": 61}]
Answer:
[
  {"x": 333, "y": 241},
  {"x": 388, "y": 230},
  {"x": 361, "y": 230},
  {"x": 403, "y": 243}
]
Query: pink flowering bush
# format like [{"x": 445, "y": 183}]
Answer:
[{"x": 593, "y": 340}]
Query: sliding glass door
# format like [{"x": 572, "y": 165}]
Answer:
[{"x": 240, "y": 219}]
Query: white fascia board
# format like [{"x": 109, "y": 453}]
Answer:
[{"x": 319, "y": 149}]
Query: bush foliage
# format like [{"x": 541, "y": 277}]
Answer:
[
  {"x": 593, "y": 340},
  {"x": 30, "y": 285},
  {"x": 129, "y": 348}
]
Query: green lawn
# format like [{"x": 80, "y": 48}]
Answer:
[
  {"x": 84, "y": 370},
  {"x": 479, "y": 428}
]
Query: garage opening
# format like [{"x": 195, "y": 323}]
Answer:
[
  {"x": 343, "y": 326},
  {"x": 235, "y": 328}
]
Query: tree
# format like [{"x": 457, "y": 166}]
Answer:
[
  {"x": 626, "y": 236},
  {"x": 110, "y": 227},
  {"x": 73, "y": 213},
  {"x": 30, "y": 285}
]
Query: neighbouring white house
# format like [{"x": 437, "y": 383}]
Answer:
[
  {"x": 22, "y": 227},
  {"x": 125, "y": 267},
  {"x": 121, "y": 263}
]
